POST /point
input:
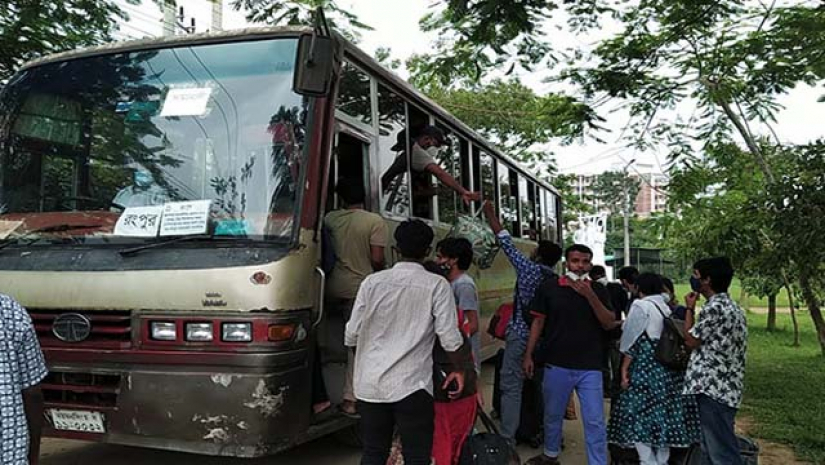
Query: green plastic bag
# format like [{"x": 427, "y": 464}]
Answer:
[{"x": 478, "y": 232}]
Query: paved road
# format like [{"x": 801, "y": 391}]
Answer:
[{"x": 326, "y": 451}]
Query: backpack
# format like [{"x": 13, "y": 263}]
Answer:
[
  {"x": 672, "y": 351},
  {"x": 488, "y": 448},
  {"x": 498, "y": 323}
]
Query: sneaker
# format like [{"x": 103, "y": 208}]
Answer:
[{"x": 542, "y": 459}]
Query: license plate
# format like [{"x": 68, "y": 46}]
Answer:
[{"x": 78, "y": 420}]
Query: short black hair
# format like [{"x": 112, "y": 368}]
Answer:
[
  {"x": 581, "y": 248},
  {"x": 649, "y": 284},
  {"x": 413, "y": 239},
  {"x": 629, "y": 274},
  {"x": 598, "y": 272},
  {"x": 434, "y": 132},
  {"x": 548, "y": 253},
  {"x": 668, "y": 284},
  {"x": 458, "y": 248},
  {"x": 718, "y": 269},
  {"x": 351, "y": 191}
]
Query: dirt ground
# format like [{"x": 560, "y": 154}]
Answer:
[{"x": 328, "y": 451}]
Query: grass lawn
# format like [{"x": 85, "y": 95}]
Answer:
[
  {"x": 785, "y": 386},
  {"x": 736, "y": 292}
]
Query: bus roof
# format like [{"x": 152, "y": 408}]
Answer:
[{"x": 240, "y": 35}]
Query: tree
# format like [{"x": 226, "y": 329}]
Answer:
[
  {"x": 616, "y": 190},
  {"x": 301, "y": 12},
  {"x": 30, "y": 29}
]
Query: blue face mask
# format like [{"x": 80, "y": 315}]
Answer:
[
  {"x": 143, "y": 178},
  {"x": 695, "y": 284}
]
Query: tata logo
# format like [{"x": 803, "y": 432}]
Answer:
[{"x": 71, "y": 327}]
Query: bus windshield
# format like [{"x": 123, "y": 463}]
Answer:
[{"x": 130, "y": 147}]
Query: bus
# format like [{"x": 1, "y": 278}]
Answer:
[{"x": 160, "y": 211}]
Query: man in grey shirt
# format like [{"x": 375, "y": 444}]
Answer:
[
  {"x": 396, "y": 317},
  {"x": 455, "y": 255}
]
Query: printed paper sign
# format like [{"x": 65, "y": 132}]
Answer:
[
  {"x": 184, "y": 218},
  {"x": 139, "y": 221},
  {"x": 8, "y": 227},
  {"x": 186, "y": 101}
]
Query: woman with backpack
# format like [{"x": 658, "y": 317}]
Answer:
[{"x": 651, "y": 415}]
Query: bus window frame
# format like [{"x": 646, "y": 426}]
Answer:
[{"x": 349, "y": 119}]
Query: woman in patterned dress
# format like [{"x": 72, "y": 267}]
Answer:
[{"x": 651, "y": 414}]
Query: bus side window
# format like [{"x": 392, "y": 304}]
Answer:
[
  {"x": 527, "y": 207},
  {"x": 509, "y": 206},
  {"x": 392, "y": 153},
  {"x": 488, "y": 178},
  {"x": 465, "y": 174},
  {"x": 423, "y": 183},
  {"x": 354, "y": 94},
  {"x": 447, "y": 198}
]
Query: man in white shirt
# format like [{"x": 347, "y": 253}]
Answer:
[{"x": 396, "y": 317}]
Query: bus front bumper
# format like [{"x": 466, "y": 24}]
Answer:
[{"x": 230, "y": 404}]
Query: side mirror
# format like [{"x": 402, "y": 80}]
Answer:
[{"x": 313, "y": 70}]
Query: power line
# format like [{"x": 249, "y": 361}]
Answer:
[
  {"x": 129, "y": 10},
  {"x": 228, "y": 94},
  {"x": 137, "y": 29}
]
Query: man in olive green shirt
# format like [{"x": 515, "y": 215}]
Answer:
[{"x": 359, "y": 238}]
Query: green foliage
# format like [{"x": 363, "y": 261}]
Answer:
[
  {"x": 512, "y": 115},
  {"x": 574, "y": 207},
  {"x": 478, "y": 36},
  {"x": 615, "y": 191},
  {"x": 31, "y": 29},
  {"x": 302, "y": 12}
]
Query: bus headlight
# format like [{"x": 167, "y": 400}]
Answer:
[
  {"x": 236, "y": 332},
  {"x": 199, "y": 332},
  {"x": 164, "y": 331}
]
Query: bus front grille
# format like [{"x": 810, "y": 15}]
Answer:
[
  {"x": 81, "y": 390},
  {"x": 110, "y": 329}
]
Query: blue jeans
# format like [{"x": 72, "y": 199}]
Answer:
[
  {"x": 719, "y": 443},
  {"x": 559, "y": 384},
  {"x": 511, "y": 384}
]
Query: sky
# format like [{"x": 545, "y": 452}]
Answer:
[{"x": 395, "y": 24}]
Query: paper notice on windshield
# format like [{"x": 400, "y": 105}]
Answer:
[
  {"x": 185, "y": 218},
  {"x": 139, "y": 221},
  {"x": 8, "y": 227},
  {"x": 189, "y": 101}
]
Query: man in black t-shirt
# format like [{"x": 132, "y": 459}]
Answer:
[{"x": 572, "y": 314}]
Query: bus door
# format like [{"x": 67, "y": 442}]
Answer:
[{"x": 349, "y": 163}]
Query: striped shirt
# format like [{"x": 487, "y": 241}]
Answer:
[{"x": 395, "y": 319}]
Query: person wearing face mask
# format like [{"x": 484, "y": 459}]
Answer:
[
  {"x": 679, "y": 310},
  {"x": 716, "y": 372},
  {"x": 143, "y": 192},
  {"x": 571, "y": 314},
  {"x": 627, "y": 277},
  {"x": 650, "y": 415},
  {"x": 423, "y": 163},
  {"x": 531, "y": 272}
]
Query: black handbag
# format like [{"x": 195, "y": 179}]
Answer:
[
  {"x": 672, "y": 351},
  {"x": 488, "y": 448}
]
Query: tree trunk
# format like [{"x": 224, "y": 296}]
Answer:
[
  {"x": 792, "y": 304},
  {"x": 811, "y": 300},
  {"x": 772, "y": 312},
  {"x": 745, "y": 299}
]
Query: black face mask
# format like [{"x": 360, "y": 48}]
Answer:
[{"x": 695, "y": 284}]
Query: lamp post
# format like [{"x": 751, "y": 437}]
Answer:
[{"x": 627, "y": 214}]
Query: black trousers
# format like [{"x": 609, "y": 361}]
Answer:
[{"x": 412, "y": 416}]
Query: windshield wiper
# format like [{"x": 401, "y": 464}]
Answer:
[{"x": 155, "y": 245}]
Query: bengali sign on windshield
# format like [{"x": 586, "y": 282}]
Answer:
[
  {"x": 139, "y": 221},
  {"x": 185, "y": 218},
  {"x": 187, "y": 101}
]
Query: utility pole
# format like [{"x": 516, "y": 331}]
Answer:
[{"x": 627, "y": 213}]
